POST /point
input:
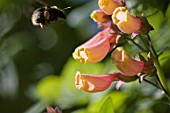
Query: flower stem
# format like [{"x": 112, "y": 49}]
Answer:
[
  {"x": 160, "y": 73},
  {"x": 150, "y": 43},
  {"x": 144, "y": 43},
  {"x": 161, "y": 77},
  {"x": 159, "y": 87},
  {"x": 152, "y": 83},
  {"x": 140, "y": 47}
]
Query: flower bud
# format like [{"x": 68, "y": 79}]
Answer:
[
  {"x": 124, "y": 21},
  {"x": 53, "y": 110},
  {"x": 96, "y": 48},
  {"x": 99, "y": 16},
  {"x": 149, "y": 67},
  {"x": 146, "y": 27},
  {"x": 127, "y": 65},
  {"x": 108, "y": 6},
  {"x": 93, "y": 83}
]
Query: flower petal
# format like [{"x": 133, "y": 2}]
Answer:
[
  {"x": 99, "y": 16},
  {"x": 96, "y": 48},
  {"x": 126, "y": 22},
  {"x": 108, "y": 6},
  {"x": 92, "y": 83},
  {"x": 127, "y": 65}
]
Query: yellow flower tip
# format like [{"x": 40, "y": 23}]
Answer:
[
  {"x": 108, "y": 6},
  {"x": 94, "y": 83},
  {"x": 127, "y": 65},
  {"x": 104, "y": 2},
  {"x": 119, "y": 15},
  {"x": 80, "y": 55},
  {"x": 117, "y": 54},
  {"x": 93, "y": 15},
  {"x": 126, "y": 22},
  {"x": 120, "y": 48},
  {"x": 95, "y": 49},
  {"x": 78, "y": 80},
  {"x": 82, "y": 84},
  {"x": 99, "y": 16}
]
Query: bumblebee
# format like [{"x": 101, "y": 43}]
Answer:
[{"x": 43, "y": 16}]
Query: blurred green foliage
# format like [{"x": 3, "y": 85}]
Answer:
[
  {"x": 36, "y": 69},
  {"x": 107, "y": 106}
]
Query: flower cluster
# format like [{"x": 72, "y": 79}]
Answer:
[{"x": 115, "y": 20}]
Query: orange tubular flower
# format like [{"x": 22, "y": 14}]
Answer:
[
  {"x": 126, "y": 22},
  {"x": 92, "y": 83},
  {"x": 108, "y": 6},
  {"x": 96, "y": 48},
  {"x": 127, "y": 65},
  {"x": 99, "y": 16}
]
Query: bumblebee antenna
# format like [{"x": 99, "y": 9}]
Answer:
[
  {"x": 41, "y": 2},
  {"x": 66, "y": 8}
]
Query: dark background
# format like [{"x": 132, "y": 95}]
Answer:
[{"x": 36, "y": 67}]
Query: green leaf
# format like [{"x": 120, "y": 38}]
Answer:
[
  {"x": 107, "y": 106},
  {"x": 160, "y": 5},
  {"x": 68, "y": 90},
  {"x": 164, "y": 60},
  {"x": 164, "y": 56},
  {"x": 47, "y": 88},
  {"x": 72, "y": 66}
]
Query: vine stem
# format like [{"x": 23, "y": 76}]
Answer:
[
  {"x": 140, "y": 47},
  {"x": 160, "y": 74},
  {"x": 144, "y": 43},
  {"x": 152, "y": 83},
  {"x": 150, "y": 43},
  {"x": 159, "y": 87},
  {"x": 161, "y": 77}
]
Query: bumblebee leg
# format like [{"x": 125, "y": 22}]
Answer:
[{"x": 42, "y": 25}]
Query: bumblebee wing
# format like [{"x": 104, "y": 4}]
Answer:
[{"x": 59, "y": 12}]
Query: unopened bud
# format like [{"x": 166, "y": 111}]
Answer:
[
  {"x": 108, "y": 6},
  {"x": 99, "y": 16}
]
